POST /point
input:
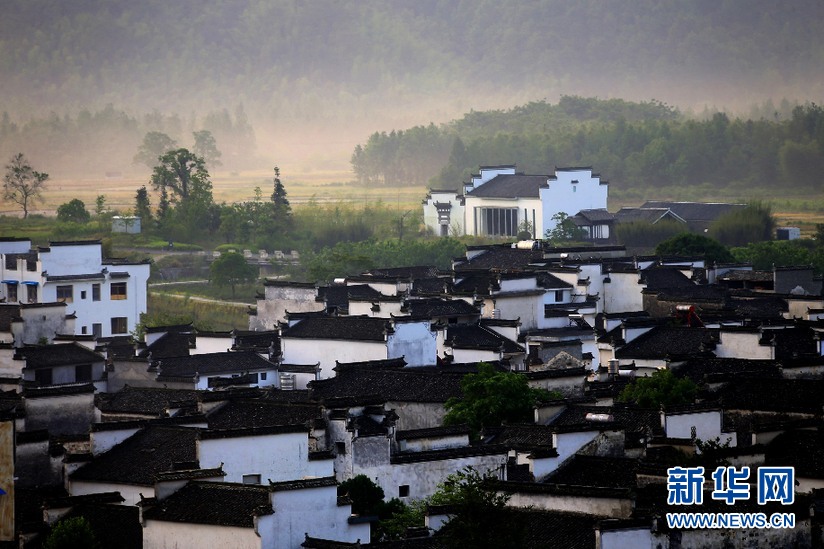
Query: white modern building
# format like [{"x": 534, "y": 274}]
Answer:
[
  {"x": 501, "y": 202},
  {"x": 107, "y": 296}
]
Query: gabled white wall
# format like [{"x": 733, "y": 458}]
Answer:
[{"x": 562, "y": 195}]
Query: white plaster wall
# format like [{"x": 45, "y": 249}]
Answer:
[
  {"x": 207, "y": 344},
  {"x": 313, "y": 511},
  {"x": 417, "y": 415},
  {"x": 364, "y": 308},
  {"x": 72, "y": 260},
  {"x": 274, "y": 457},
  {"x": 623, "y": 293},
  {"x": 707, "y": 426},
  {"x": 474, "y": 355},
  {"x": 529, "y": 308},
  {"x": 439, "y": 443},
  {"x": 327, "y": 351},
  {"x": 518, "y": 284},
  {"x": 564, "y": 196},
  {"x": 568, "y": 444},
  {"x": 158, "y": 534},
  {"x": 130, "y": 492},
  {"x": 15, "y": 247},
  {"x": 456, "y": 214},
  {"x": 103, "y": 441},
  {"x": 640, "y": 538},
  {"x": 611, "y": 507},
  {"x": 279, "y": 299},
  {"x": 415, "y": 342},
  {"x": 742, "y": 345},
  {"x": 423, "y": 477}
]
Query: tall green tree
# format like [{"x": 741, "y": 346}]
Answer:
[
  {"x": 73, "y": 211},
  {"x": 143, "y": 205},
  {"x": 662, "y": 388},
  {"x": 154, "y": 145},
  {"x": 478, "y": 512},
  {"x": 231, "y": 269},
  {"x": 206, "y": 147},
  {"x": 691, "y": 244},
  {"x": 491, "y": 397},
  {"x": 71, "y": 533},
  {"x": 22, "y": 184},
  {"x": 182, "y": 173}
]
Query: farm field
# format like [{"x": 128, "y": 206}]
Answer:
[{"x": 303, "y": 188}]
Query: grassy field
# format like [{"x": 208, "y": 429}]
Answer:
[
  {"x": 206, "y": 316},
  {"x": 302, "y": 188}
]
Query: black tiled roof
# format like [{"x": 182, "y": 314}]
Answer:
[
  {"x": 431, "y": 286},
  {"x": 389, "y": 385},
  {"x": 145, "y": 400},
  {"x": 303, "y": 484},
  {"x": 429, "y": 308},
  {"x": 668, "y": 341},
  {"x": 433, "y": 432},
  {"x": 136, "y": 460},
  {"x": 113, "y": 525},
  {"x": 802, "y": 449},
  {"x": 8, "y": 312},
  {"x": 171, "y": 344},
  {"x": 595, "y": 471},
  {"x": 511, "y": 186},
  {"x": 598, "y": 214},
  {"x": 631, "y": 419},
  {"x": 664, "y": 277},
  {"x": 698, "y": 369},
  {"x": 414, "y": 272},
  {"x": 358, "y": 328},
  {"x": 211, "y": 363},
  {"x": 261, "y": 413},
  {"x": 778, "y": 395},
  {"x": 695, "y": 211},
  {"x": 502, "y": 258},
  {"x": 216, "y": 503},
  {"x": 521, "y": 436},
  {"x": 475, "y": 336},
  {"x": 47, "y": 356},
  {"x": 256, "y": 341},
  {"x": 482, "y": 283}
]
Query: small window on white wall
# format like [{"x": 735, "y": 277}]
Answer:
[
  {"x": 403, "y": 491},
  {"x": 251, "y": 479}
]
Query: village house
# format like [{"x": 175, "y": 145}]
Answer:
[
  {"x": 499, "y": 201},
  {"x": 107, "y": 296}
]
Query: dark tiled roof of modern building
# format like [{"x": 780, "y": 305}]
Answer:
[
  {"x": 136, "y": 460},
  {"x": 215, "y": 503},
  {"x": 47, "y": 356},
  {"x": 511, "y": 186},
  {"x": 256, "y": 341},
  {"x": 664, "y": 277},
  {"x": 211, "y": 363},
  {"x": 629, "y": 418},
  {"x": 521, "y": 436},
  {"x": 698, "y": 370},
  {"x": 356, "y": 328},
  {"x": 414, "y": 272}
]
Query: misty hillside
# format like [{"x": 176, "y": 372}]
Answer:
[
  {"x": 316, "y": 78},
  {"x": 306, "y": 60}
]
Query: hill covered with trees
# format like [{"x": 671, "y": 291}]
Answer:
[{"x": 326, "y": 72}]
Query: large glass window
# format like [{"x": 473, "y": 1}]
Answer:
[
  {"x": 65, "y": 293},
  {"x": 496, "y": 221}
]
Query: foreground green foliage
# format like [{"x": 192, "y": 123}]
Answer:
[
  {"x": 660, "y": 389},
  {"x": 231, "y": 269},
  {"x": 492, "y": 397},
  {"x": 71, "y": 533},
  {"x": 691, "y": 245}
]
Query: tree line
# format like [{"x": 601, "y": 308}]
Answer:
[{"x": 637, "y": 146}]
